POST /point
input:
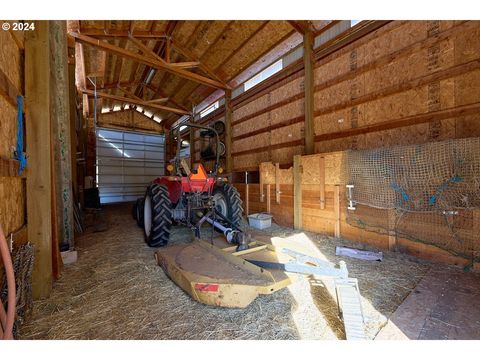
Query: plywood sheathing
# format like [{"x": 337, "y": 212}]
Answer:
[
  {"x": 381, "y": 77},
  {"x": 12, "y": 209},
  {"x": 128, "y": 119},
  {"x": 12, "y": 189}
]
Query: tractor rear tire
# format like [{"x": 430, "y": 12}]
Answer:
[
  {"x": 139, "y": 211},
  {"x": 157, "y": 218},
  {"x": 228, "y": 203}
]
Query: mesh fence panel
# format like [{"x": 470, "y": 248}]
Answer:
[{"x": 431, "y": 188}]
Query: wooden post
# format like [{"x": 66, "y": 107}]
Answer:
[
  {"x": 59, "y": 102},
  {"x": 277, "y": 183},
  {"x": 268, "y": 199},
  {"x": 297, "y": 192},
  {"x": 73, "y": 122},
  {"x": 262, "y": 195},
  {"x": 322, "y": 182},
  {"x": 392, "y": 235},
  {"x": 476, "y": 241},
  {"x": 247, "y": 194},
  {"x": 38, "y": 134},
  {"x": 308, "y": 61},
  {"x": 192, "y": 147},
  {"x": 228, "y": 130},
  {"x": 336, "y": 209}
]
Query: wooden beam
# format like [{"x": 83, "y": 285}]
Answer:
[
  {"x": 191, "y": 56},
  {"x": 168, "y": 50},
  {"x": 159, "y": 92},
  {"x": 112, "y": 33},
  {"x": 450, "y": 113},
  {"x": 59, "y": 104},
  {"x": 297, "y": 192},
  {"x": 135, "y": 101},
  {"x": 149, "y": 52},
  {"x": 228, "y": 130},
  {"x": 269, "y": 199},
  {"x": 309, "y": 62},
  {"x": 114, "y": 85},
  {"x": 147, "y": 60},
  {"x": 301, "y": 26},
  {"x": 39, "y": 186}
]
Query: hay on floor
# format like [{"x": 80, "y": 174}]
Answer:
[{"x": 116, "y": 291}]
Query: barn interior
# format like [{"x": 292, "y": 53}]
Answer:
[{"x": 354, "y": 143}]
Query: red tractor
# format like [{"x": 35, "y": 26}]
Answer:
[{"x": 190, "y": 198}]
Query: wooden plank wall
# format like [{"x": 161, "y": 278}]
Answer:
[
  {"x": 12, "y": 186},
  {"x": 404, "y": 83}
]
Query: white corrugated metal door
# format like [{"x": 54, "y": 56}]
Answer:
[{"x": 126, "y": 163}]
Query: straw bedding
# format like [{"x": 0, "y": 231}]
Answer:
[{"x": 117, "y": 291}]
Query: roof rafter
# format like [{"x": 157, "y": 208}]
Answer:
[
  {"x": 302, "y": 26},
  {"x": 108, "y": 33},
  {"x": 149, "y": 52},
  {"x": 135, "y": 101},
  {"x": 147, "y": 60}
]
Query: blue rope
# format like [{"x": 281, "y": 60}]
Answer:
[
  {"x": 19, "y": 154},
  {"x": 433, "y": 199}
]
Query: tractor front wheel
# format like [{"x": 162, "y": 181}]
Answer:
[{"x": 157, "y": 215}]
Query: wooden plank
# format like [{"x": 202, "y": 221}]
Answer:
[
  {"x": 458, "y": 111},
  {"x": 247, "y": 199},
  {"x": 113, "y": 33},
  {"x": 392, "y": 236},
  {"x": 228, "y": 130},
  {"x": 135, "y": 101},
  {"x": 476, "y": 244},
  {"x": 322, "y": 181},
  {"x": 269, "y": 128},
  {"x": 9, "y": 167},
  {"x": 336, "y": 206},
  {"x": 269, "y": 147},
  {"x": 308, "y": 60},
  {"x": 8, "y": 89},
  {"x": 277, "y": 183},
  {"x": 297, "y": 190},
  {"x": 161, "y": 65},
  {"x": 269, "y": 199},
  {"x": 39, "y": 193}
]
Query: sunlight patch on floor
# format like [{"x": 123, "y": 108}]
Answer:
[{"x": 316, "y": 312}]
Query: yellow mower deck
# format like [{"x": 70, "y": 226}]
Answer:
[{"x": 214, "y": 274}]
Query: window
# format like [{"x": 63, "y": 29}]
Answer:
[
  {"x": 264, "y": 74},
  {"x": 209, "y": 109},
  {"x": 354, "y": 22}
]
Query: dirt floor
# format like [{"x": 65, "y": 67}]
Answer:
[{"x": 117, "y": 291}]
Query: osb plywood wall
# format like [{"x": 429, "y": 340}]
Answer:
[
  {"x": 128, "y": 120},
  {"x": 12, "y": 188},
  {"x": 407, "y": 82}
]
